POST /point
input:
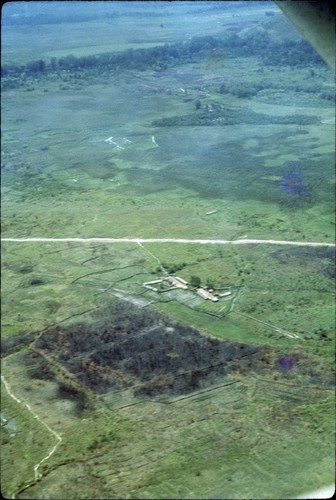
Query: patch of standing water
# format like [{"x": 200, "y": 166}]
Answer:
[{"x": 9, "y": 425}]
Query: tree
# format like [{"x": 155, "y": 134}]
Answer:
[
  {"x": 210, "y": 283},
  {"x": 53, "y": 63},
  {"x": 195, "y": 281},
  {"x": 36, "y": 66}
]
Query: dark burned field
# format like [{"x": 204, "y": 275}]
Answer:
[
  {"x": 142, "y": 350},
  {"x": 146, "y": 352},
  {"x": 148, "y": 407}
]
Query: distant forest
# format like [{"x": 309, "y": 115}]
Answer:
[{"x": 259, "y": 43}]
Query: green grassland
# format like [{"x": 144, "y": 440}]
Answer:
[
  {"x": 206, "y": 452},
  {"x": 256, "y": 433},
  {"x": 63, "y": 280},
  {"x": 128, "y": 27},
  {"x": 194, "y": 169},
  {"x": 248, "y": 437}
]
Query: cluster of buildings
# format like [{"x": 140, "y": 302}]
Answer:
[
  {"x": 177, "y": 282},
  {"x": 172, "y": 281}
]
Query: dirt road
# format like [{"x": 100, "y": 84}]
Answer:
[{"x": 169, "y": 240}]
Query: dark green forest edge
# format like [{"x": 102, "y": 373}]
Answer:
[
  {"x": 77, "y": 72},
  {"x": 287, "y": 53}
]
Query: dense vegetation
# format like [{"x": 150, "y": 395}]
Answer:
[
  {"x": 292, "y": 53},
  {"x": 218, "y": 114}
]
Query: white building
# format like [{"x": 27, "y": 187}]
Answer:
[
  {"x": 206, "y": 295},
  {"x": 178, "y": 282}
]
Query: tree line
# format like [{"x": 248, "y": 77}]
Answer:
[
  {"x": 159, "y": 57},
  {"x": 287, "y": 52}
]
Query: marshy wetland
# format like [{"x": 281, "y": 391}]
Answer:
[{"x": 121, "y": 377}]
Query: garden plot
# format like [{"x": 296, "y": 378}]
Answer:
[{"x": 184, "y": 297}]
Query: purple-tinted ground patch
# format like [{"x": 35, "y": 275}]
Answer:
[
  {"x": 292, "y": 183},
  {"x": 286, "y": 363}
]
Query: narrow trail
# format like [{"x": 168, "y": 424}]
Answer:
[
  {"x": 276, "y": 328},
  {"x": 150, "y": 253},
  {"x": 54, "y": 433},
  {"x": 139, "y": 241}
]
